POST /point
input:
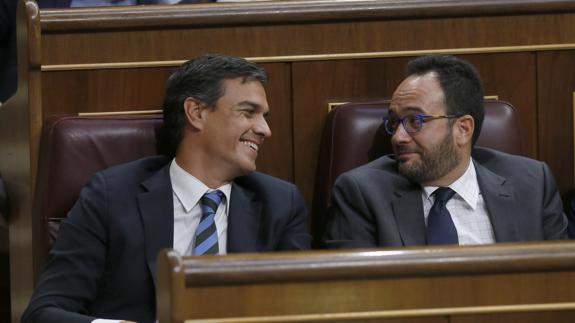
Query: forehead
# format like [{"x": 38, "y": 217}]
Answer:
[
  {"x": 418, "y": 94},
  {"x": 238, "y": 91}
]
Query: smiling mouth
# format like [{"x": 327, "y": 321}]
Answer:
[{"x": 251, "y": 145}]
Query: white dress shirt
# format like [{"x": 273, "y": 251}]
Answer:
[
  {"x": 467, "y": 209},
  {"x": 188, "y": 191}
]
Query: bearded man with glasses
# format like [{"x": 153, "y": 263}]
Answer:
[{"x": 437, "y": 188}]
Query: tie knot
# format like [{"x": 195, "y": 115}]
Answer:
[
  {"x": 443, "y": 194},
  {"x": 212, "y": 199}
]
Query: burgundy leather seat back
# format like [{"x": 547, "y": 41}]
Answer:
[
  {"x": 354, "y": 135},
  {"x": 74, "y": 148}
]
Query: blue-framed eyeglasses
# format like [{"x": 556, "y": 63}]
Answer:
[{"x": 412, "y": 123}]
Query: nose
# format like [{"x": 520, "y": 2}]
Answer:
[
  {"x": 262, "y": 128},
  {"x": 400, "y": 136}
]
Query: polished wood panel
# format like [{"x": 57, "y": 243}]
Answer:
[
  {"x": 556, "y": 85},
  {"x": 71, "y": 92},
  {"x": 294, "y": 11},
  {"x": 533, "y": 317},
  {"x": 276, "y": 156},
  {"x": 428, "y": 319},
  {"x": 368, "y": 284},
  {"x": 20, "y": 122},
  {"x": 316, "y": 84},
  {"x": 512, "y": 78},
  {"x": 358, "y": 35}
]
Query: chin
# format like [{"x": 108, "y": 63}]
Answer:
[
  {"x": 407, "y": 167},
  {"x": 404, "y": 163},
  {"x": 246, "y": 168}
]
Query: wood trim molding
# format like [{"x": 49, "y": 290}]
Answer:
[
  {"x": 333, "y": 105},
  {"x": 118, "y": 113},
  {"x": 323, "y": 57},
  {"x": 331, "y": 317},
  {"x": 249, "y": 13},
  {"x": 394, "y": 263}
]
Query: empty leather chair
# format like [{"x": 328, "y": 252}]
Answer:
[{"x": 354, "y": 135}]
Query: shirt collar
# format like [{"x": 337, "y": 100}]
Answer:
[
  {"x": 189, "y": 190},
  {"x": 465, "y": 186}
]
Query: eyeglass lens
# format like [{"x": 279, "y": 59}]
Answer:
[{"x": 410, "y": 123}]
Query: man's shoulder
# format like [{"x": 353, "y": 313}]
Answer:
[
  {"x": 264, "y": 182},
  {"x": 138, "y": 169},
  {"x": 494, "y": 158}
]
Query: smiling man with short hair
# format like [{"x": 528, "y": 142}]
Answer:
[{"x": 204, "y": 199}]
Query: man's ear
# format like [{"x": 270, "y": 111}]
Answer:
[
  {"x": 463, "y": 130},
  {"x": 193, "y": 110}
]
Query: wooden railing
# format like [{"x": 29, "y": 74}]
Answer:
[{"x": 513, "y": 281}]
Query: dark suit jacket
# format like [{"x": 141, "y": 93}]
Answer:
[
  {"x": 569, "y": 208},
  {"x": 103, "y": 263},
  {"x": 374, "y": 205}
]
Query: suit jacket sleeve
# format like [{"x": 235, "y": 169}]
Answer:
[
  {"x": 295, "y": 235},
  {"x": 76, "y": 262},
  {"x": 554, "y": 220},
  {"x": 350, "y": 222}
]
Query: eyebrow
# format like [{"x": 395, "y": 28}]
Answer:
[
  {"x": 407, "y": 109},
  {"x": 254, "y": 106},
  {"x": 414, "y": 109}
]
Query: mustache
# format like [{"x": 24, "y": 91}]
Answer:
[{"x": 405, "y": 149}]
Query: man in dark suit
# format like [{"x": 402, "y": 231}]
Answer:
[
  {"x": 206, "y": 200},
  {"x": 437, "y": 188}
]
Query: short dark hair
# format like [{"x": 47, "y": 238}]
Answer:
[
  {"x": 460, "y": 82},
  {"x": 202, "y": 79}
]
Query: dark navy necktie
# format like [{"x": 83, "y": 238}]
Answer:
[
  {"x": 440, "y": 227},
  {"x": 206, "y": 242}
]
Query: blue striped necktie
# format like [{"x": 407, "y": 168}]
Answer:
[
  {"x": 206, "y": 242},
  {"x": 440, "y": 226}
]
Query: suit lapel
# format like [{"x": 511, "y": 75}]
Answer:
[
  {"x": 157, "y": 211},
  {"x": 499, "y": 198},
  {"x": 408, "y": 212},
  {"x": 243, "y": 221}
]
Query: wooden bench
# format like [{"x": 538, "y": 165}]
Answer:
[
  {"x": 517, "y": 283},
  {"x": 512, "y": 283}
]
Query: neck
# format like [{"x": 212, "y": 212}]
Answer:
[{"x": 204, "y": 171}]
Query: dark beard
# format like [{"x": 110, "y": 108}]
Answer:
[{"x": 434, "y": 164}]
